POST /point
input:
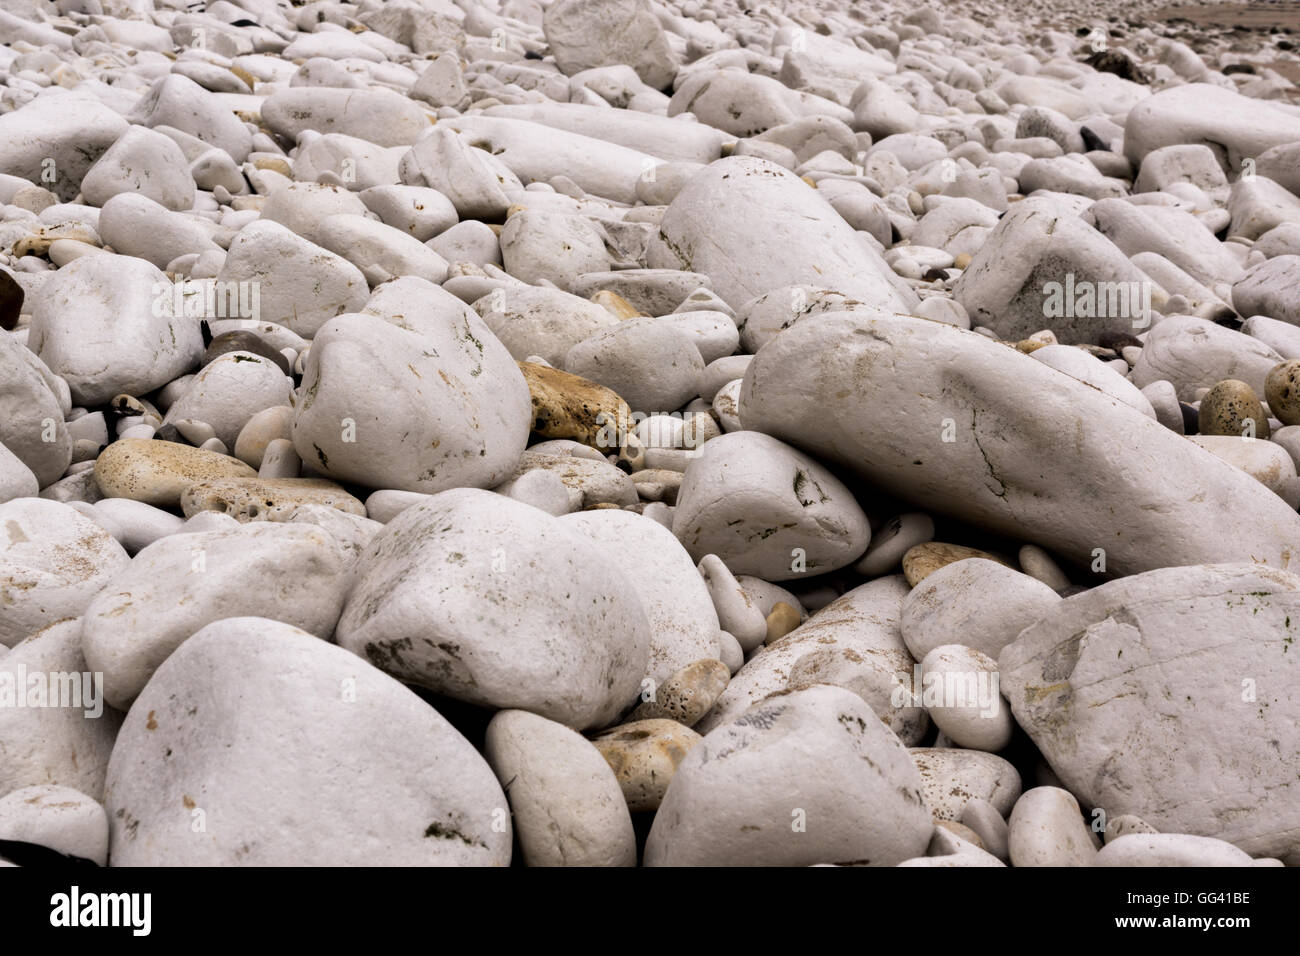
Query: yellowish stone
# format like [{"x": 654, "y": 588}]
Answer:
[
  {"x": 263, "y": 499},
  {"x": 644, "y": 755},
  {"x": 157, "y": 472},
  {"x": 922, "y": 560}
]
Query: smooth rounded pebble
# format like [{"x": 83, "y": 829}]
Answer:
[{"x": 567, "y": 806}]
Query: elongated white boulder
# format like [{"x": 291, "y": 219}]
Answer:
[
  {"x": 1193, "y": 353},
  {"x": 1236, "y": 127},
  {"x": 378, "y": 116},
  {"x": 671, "y": 140},
  {"x": 493, "y": 601},
  {"x": 1170, "y": 849},
  {"x": 1207, "y": 648},
  {"x": 943, "y": 417},
  {"x": 534, "y": 152},
  {"x": 751, "y": 226},
  {"x": 255, "y": 734}
]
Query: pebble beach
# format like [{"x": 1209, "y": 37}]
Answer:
[{"x": 613, "y": 433}]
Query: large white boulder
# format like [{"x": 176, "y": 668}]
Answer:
[{"x": 950, "y": 419}]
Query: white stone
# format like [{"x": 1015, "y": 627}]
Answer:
[
  {"x": 538, "y": 245},
  {"x": 108, "y": 325},
  {"x": 1170, "y": 849},
  {"x": 652, "y": 365},
  {"x": 1224, "y": 709},
  {"x": 135, "y": 225},
  {"x": 493, "y": 601},
  {"x": 16, "y": 479},
  {"x": 751, "y": 226},
  {"x": 179, "y": 102},
  {"x": 1008, "y": 285},
  {"x": 60, "y": 818},
  {"x": 1047, "y": 829},
  {"x": 1194, "y": 353},
  {"x": 379, "y": 116},
  {"x": 300, "y": 285},
  {"x": 61, "y": 746},
  {"x": 540, "y": 321},
  {"x": 32, "y": 411},
  {"x": 465, "y": 406},
  {"x": 1266, "y": 462},
  {"x": 893, "y": 540},
  {"x": 767, "y": 509},
  {"x": 737, "y": 613},
  {"x": 444, "y": 161},
  {"x": 72, "y": 130},
  {"x": 229, "y": 391},
  {"x": 142, "y": 161},
  {"x": 567, "y": 806},
  {"x": 589, "y": 33},
  {"x": 1236, "y": 127},
  {"x": 816, "y": 756},
  {"x": 1122, "y": 481},
  {"x": 175, "y": 586},
  {"x": 971, "y": 712},
  {"x": 250, "y": 723},
  {"x": 683, "y": 622},
  {"x": 418, "y": 211},
  {"x": 853, "y": 643},
  {"x": 53, "y": 561}
]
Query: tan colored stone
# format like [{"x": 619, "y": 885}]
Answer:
[
  {"x": 275, "y": 164},
  {"x": 156, "y": 472},
  {"x": 687, "y": 695},
  {"x": 961, "y": 830},
  {"x": 1282, "y": 392},
  {"x": 644, "y": 755},
  {"x": 265, "y": 499},
  {"x": 1227, "y": 407},
  {"x": 569, "y": 406},
  {"x": 924, "y": 559},
  {"x": 781, "y": 621},
  {"x": 615, "y": 305},
  {"x": 244, "y": 75}
]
